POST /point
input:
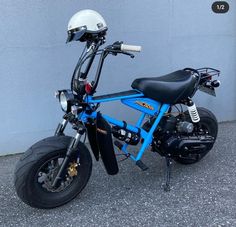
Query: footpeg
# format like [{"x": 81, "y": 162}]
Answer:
[{"x": 141, "y": 165}]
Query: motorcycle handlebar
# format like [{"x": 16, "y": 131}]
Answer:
[{"x": 131, "y": 48}]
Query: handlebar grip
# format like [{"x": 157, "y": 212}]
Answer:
[{"x": 131, "y": 48}]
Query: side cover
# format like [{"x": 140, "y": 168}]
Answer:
[{"x": 144, "y": 105}]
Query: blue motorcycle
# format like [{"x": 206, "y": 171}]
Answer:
[{"x": 55, "y": 170}]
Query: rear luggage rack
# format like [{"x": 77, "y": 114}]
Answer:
[
  {"x": 205, "y": 73},
  {"x": 205, "y": 81}
]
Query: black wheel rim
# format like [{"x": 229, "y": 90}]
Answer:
[{"x": 47, "y": 172}]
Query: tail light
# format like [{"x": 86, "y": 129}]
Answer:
[{"x": 215, "y": 83}]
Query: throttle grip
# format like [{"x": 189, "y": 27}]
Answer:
[{"x": 130, "y": 48}]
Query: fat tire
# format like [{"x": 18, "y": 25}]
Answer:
[
  {"x": 26, "y": 169},
  {"x": 206, "y": 118}
]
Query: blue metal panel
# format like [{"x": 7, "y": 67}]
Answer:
[
  {"x": 91, "y": 100},
  {"x": 148, "y": 138},
  {"x": 144, "y": 105}
]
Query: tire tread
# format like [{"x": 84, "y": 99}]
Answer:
[{"x": 31, "y": 157}]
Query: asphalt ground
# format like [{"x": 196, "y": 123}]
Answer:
[{"x": 203, "y": 194}]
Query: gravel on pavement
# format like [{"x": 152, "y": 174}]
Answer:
[{"x": 203, "y": 194}]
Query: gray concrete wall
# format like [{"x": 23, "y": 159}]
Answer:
[{"x": 35, "y": 61}]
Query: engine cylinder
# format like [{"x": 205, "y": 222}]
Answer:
[{"x": 185, "y": 127}]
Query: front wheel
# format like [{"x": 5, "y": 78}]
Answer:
[
  {"x": 207, "y": 125},
  {"x": 37, "y": 168}
]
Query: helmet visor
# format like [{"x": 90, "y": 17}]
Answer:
[{"x": 75, "y": 34}]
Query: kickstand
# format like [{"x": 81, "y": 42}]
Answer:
[{"x": 168, "y": 171}]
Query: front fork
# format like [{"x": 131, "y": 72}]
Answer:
[
  {"x": 73, "y": 147},
  {"x": 70, "y": 150},
  {"x": 61, "y": 127}
]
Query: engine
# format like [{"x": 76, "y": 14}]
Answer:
[
  {"x": 184, "y": 145},
  {"x": 176, "y": 136}
]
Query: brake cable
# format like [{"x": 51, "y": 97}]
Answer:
[
  {"x": 83, "y": 54},
  {"x": 99, "y": 52}
]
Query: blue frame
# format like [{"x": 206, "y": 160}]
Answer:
[{"x": 157, "y": 109}]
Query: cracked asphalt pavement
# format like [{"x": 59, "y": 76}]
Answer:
[{"x": 203, "y": 194}]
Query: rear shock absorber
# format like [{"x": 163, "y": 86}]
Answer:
[{"x": 192, "y": 109}]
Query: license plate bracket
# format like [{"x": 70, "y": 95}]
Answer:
[{"x": 208, "y": 89}]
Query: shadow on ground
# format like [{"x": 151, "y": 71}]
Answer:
[{"x": 203, "y": 194}]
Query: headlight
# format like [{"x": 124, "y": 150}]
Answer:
[
  {"x": 63, "y": 102},
  {"x": 66, "y": 99}
]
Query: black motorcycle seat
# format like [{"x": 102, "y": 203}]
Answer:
[{"x": 171, "y": 88}]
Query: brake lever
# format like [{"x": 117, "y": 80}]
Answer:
[
  {"x": 110, "y": 50},
  {"x": 129, "y": 54},
  {"x": 115, "y": 52}
]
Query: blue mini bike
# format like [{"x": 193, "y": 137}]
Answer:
[{"x": 56, "y": 169}]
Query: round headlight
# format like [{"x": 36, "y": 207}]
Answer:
[
  {"x": 66, "y": 99},
  {"x": 63, "y": 101}
]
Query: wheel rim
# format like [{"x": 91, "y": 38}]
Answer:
[{"x": 48, "y": 171}]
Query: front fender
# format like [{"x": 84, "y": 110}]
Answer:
[{"x": 91, "y": 127}]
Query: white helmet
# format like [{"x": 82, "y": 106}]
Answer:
[{"x": 85, "y": 24}]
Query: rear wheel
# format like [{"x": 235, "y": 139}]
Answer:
[
  {"x": 37, "y": 168},
  {"x": 207, "y": 125}
]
